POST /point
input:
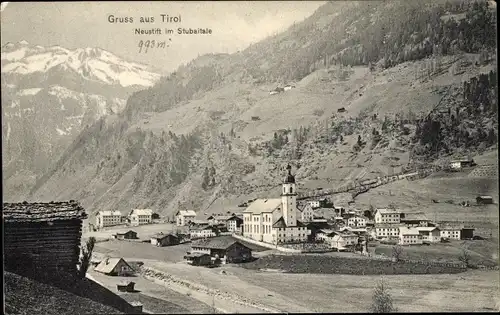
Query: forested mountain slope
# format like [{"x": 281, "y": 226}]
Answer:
[{"x": 210, "y": 135}]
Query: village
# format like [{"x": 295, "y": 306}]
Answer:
[{"x": 130, "y": 252}]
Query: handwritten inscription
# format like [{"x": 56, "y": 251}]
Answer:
[
  {"x": 150, "y": 44},
  {"x": 144, "y": 46}
]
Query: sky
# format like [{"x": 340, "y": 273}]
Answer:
[{"x": 234, "y": 25}]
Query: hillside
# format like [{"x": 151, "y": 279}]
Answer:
[
  {"x": 210, "y": 135},
  {"x": 48, "y": 95}
]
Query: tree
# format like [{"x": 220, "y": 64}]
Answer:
[
  {"x": 382, "y": 300},
  {"x": 465, "y": 256},
  {"x": 397, "y": 251},
  {"x": 86, "y": 257}
]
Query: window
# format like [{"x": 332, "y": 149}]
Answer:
[{"x": 291, "y": 190}]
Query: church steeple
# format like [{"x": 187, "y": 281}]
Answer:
[
  {"x": 289, "y": 179},
  {"x": 289, "y": 198}
]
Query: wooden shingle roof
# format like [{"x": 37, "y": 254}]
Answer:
[
  {"x": 220, "y": 242},
  {"x": 42, "y": 211}
]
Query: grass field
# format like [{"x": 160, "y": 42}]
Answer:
[
  {"x": 143, "y": 231},
  {"x": 482, "y": 252}
]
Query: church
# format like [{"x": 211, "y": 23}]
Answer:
[{"x": 275, "y": 221}]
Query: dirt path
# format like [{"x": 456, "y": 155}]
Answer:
[{"x": 204, "y": 287}]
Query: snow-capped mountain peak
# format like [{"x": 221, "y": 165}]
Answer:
[{"x": 92, "y": 64}]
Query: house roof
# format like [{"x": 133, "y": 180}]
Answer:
[
  {"x": 236, "y": 217},
  {"x": 426, "y": 228},
  {"x": 187, "y": 213},
  {"x": 263, "y": 205},
  {"x": 280, "y": 223},
  {"x": 108, "y": 264},
  {"x": 220, "y": 242},
  {"x": 141, "y": 212},
  {"x": 220, "y": 217},
  {"x": 27, "y": 296},
  {"x": 388, "y": 225},
  {"x": 450, "y": 227},
  {"x": 109, "y": 213},
  {"x": 203, "y": 227},
  {"x": 43, "y": 211},
  {"x": 161, "y": 235},
  {"x": 418, "y": 216},
  {"x": 358, "y": 217},
  {"x": 485, "y": 197},
  {"x": 408, "y": 231},
  {"x": 387, "y": 211},
  {"x": 123, "y": 233}
]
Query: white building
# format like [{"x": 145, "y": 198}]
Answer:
[
  {"x": 141, "y": 216},
  {"x": 182, "y": 217},
  {"x": 306, "y": 212},
  {"x": 203, "y": 232},
  {"x": 234, "y": 223},
  {"x": 387, "y": 230},
  {"x": 108, "y": 218},
  {"x": 341, "y": 241},
  {"x": 275, "y": 221},
  {"x": 409, "y": 236},
  {"x": 384, "y": 216},
  {"x": 460, "y": 163},
  {"x": 314, "y": 203},
  {"x": 356, "y": 221},
  {"x": 451, "y": 232},
  {"x": 430, "y": 234},
  {"x": 288, "y": 87},
  {"x": 324, "y": 235}
]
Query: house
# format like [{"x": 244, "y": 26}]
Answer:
[
  {"x": 324, "y": 234},
  {"x": 341, "y": 110},
  {"x": 234, "y": 223},
  {"x": 129, "y": 235},
  {"x": 226, "y": 248},
  {"x": 30, "y": 232},
  {"x": 198, "y": 259},
  {"x": 409, "y": 236},
  {"x": 451, "y": 231},
  {"x": 161, "y": 239},
  {"x": 390, "y": 216},
  {"x": 288, "y": 87},
  {"x": 356, "y": 221},
  {"x": 315, "y": 227},
  {"x": 273, "y": 92},
  {"x": 461, "y": 163},
  {"x": 203, "y": 232},
  {"x": 484, "y": 200},
  {"x": 183, "y": 217},
  {"x": 314, "y": 203},
  {"x": 306, "y": 212},
  {"x": 108, "y": 218},
  {"x": 430, "y": 234},
  {"x": 141, "y": 216},
  {"x": 217, "y": 219},
  {"x": 414, "y": 219},
  {"x": 387, "y": 230},
  {"x": 115, "y": 267},
  {"x": 343, "y": 241},
  {"x": 275, "y": 221}
]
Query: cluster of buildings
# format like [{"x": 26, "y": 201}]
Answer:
[{"x": 112, "y": 218}]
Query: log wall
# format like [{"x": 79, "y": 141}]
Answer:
[{"x": 47, "y": 247}]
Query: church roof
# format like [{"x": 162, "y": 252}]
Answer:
[
  {"x": 263, "y": 205},
  {"x": 280, "y": 223}
]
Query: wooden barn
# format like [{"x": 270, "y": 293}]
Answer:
[
  {"x": 484, "y": 200},
  {"x": 115, "y": 267},
  {"x": 227, "y": 248},
  {"x": 129, "y": 235},
  {"x": 42, "y": 238},
  {"x": 161, "y": 239}
]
